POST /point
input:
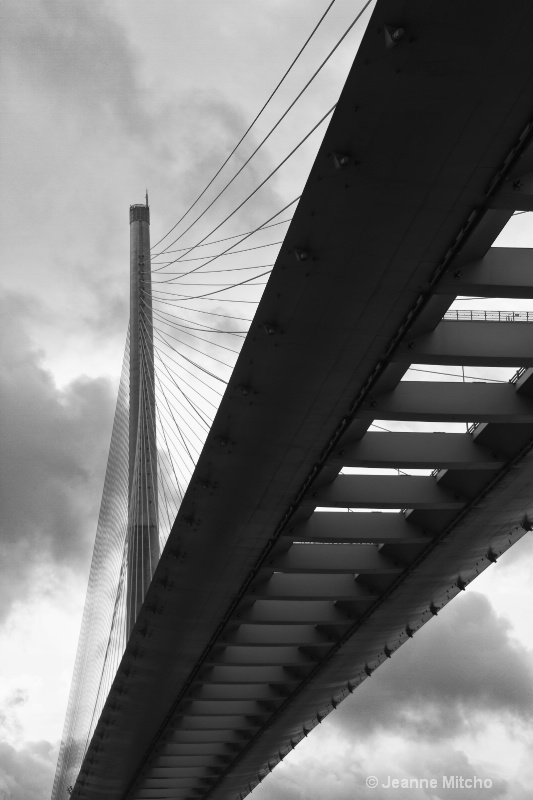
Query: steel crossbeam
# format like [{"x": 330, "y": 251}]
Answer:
[
  {"x": 385, "y": 491},
  {"x": 364, "y": 528},
  {"x": 293, "y": 612},
  {"x": 476, "y": 343},
  {"x": 416, "y": 450},
  {"x": 304, "y": 587},
  {"x": 290, "y": 656},
  {"x": 331, "y": 559},
  {"x": 274, "y": 635},
  {"x": 450, "y": 402},
  {"x": 502, "y": 272}
]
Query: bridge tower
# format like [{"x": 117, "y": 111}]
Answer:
[{"x": 143, "y": 532}]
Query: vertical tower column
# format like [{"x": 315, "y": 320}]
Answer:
[{"x": 143, "y": 532}]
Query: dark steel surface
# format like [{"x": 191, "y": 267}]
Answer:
[{"x": 429, "y": 125}]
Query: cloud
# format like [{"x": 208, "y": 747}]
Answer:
[
  {"x": 19, "y": 697},
  {"x": 78, "y": 61},
  {"x": 435, "y": 709},
  {"x": 339, "y": 769},
  {"x": 27, "y": 773},
  {"x": 53, "y": 458},
  {"x": 85, "y": 135},
  {"x": 10, "y": 725},
  {"x": 461, "y": 664},
  {"x": 77, "y": 52}
]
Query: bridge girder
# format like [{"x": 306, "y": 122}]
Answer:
[{"x": 252, "y": 574}]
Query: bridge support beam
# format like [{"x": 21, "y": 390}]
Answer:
[
  {"x": 433, "y": 401},
  {"x": 472, "y": 343},
  {"x": 248, "y": 675},
  {"x": 385, "y": 491},
  {"x": 277, "y": 655},
  {"x": 334, "y": 559},
  {"x": 278, "y": 612},
  {"x": 262, "y": 636},
  {"x": 503, "y": 272},
  {"x": 364, "y": 527},
  {"x": 415, "y": 450},
  {"x": 286, "y": 586}
]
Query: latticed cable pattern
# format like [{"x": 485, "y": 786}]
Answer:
[{"x": 102, "y": 637}]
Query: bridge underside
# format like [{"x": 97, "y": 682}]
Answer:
[{"x": 265, "y": 613}]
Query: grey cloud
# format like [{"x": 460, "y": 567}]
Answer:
[
  {"x": 461, "y": 664},
  {"x": 447, "y": 762},
  {"x": 54, "y": 452},
  {"x": 27, "y": 773},
  {"x": 105, "y": 312},
  {"x": 92, "y": 131},
  {"x": 75, "y": 51},
  {"x": 84, "y": 61},
  {"x": 460, "y": 673},
  {"x": 200, "y": 130},
  {"x": 10, "y": 725},
  {"x": 19, "y": 697},
  {"x": 314, "y": 779}
]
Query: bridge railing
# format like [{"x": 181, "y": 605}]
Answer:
[{"x": 489, "y": 316}]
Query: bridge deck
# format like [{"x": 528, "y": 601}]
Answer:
[{"x": 264, "y": 614}]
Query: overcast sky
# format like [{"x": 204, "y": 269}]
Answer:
[{"x": 102, "y": 100}]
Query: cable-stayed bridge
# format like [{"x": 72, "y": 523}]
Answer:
[{"x": 356, "y": 389}]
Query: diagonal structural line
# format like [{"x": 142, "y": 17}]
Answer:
[
  {"x": 280, "y": 120},
  {"x": 235, "y": 244},
  {"x": 163, "y": 472},
  {"x": 202, "y": 419},
  {"x": 225, "y": 288},
  {"x": 260, "y": 186},
  {"x": 159, "y": 354},
  {"x": 180, "y": 323},
  {"x": 206, "y": 313},
  {"x": 225, "y": 239},
  {"x": 235, "y": 252},
  {"x": 243, "y": 137},
  {"x": 198, "y": 366}
]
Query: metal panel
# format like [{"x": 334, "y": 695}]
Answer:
[
  {"x": 385, "y": 491},
  {"x": 450, "y": 402},
  {"x": 288, "y": 656},
  {"x": 476, "y": 343},
  {"x": 294, "y": 612},
  {"x": 262, "y": 636},
  {"x": 373, "y": 527},
  {"x": 416, "y": 450},
  {"x": 502, "y": 272},
  {"x": 306, "y": 587},
  {"x": 334, "y": 558}
]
